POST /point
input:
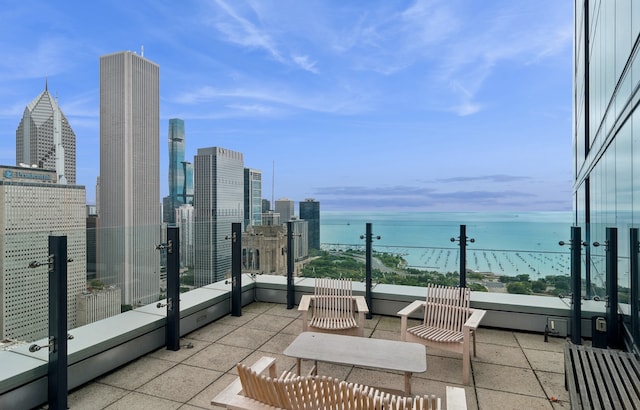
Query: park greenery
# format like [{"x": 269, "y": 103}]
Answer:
[{"x": 350, "y": 264}]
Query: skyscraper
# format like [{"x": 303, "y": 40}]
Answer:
[
  {"x": 310, "y": 212},
  {"x": 285, "y": 207},
  {"x": 252, "y": 197},
  {"x": 32, "y": 207},
  {"x": 44, "y": 138},
  {"x": 218, "y": 202},
  {"x": 180, "y": 172},
  {"x": 606, "y": 149},
  {"x": 129, "y": 176}
]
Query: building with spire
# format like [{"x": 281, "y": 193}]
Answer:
[
  {"x": 180, "y": 173},
  {"x": 44, "y": 138}
]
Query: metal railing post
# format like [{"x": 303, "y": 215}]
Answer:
[
  {"x": 57, "y": 367},
  {"x": 368, "y": 262},
  {"x": 291, "y": 295},
  {"x": 576, "y": 298},
  {"x": 236, "y": 269},
  {"x": 612, "y": 286},
  {"x": 462, "y": 240},
  {"x": 173, "y": 289}
]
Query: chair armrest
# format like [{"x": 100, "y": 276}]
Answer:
[
  {"x": 305, "y": 303},
  {"x": 415, "y": 305},
  {"x": 456, "y": 398},
  {"x": 230, "y": 393},
  {"x": 474, "y": 320},
  {"x": 361, "y": 304}
]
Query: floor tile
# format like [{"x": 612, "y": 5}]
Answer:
[
  {"x": 180, "y": 383},
  {"x": 136, "y": 373},
  {"x": 545, "y": 360},
  {"x": 95, "y": 396},
  {"x": 247, "y": 337},
  {"x": 507, "y": 379},
  {"x": 140, "y": 401},
  {"x": 218, "y": 357},
  {"x": 495, "y": 336},
  {"x": 536, "y": 341},
  {"x": 499, "y": 354},
  {"x": 500, "y": 400},
  {"x": 269, "y": 322}
]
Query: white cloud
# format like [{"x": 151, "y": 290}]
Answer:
[{"x": 304, "y": 63}]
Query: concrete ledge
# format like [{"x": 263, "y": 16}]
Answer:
[{"x": 103, "y": 346}]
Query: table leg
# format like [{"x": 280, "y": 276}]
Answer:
[
  {"x": 407, "y": 383},
  {"x": 299, "y": 366}
]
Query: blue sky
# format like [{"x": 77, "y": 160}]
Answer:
[{"x": 452, "y": 105}]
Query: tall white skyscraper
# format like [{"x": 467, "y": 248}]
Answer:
[
  {"x": 218, "y": 202},
  {"x": 129, "y": 224},
  {"x": 45, "y": 139}
]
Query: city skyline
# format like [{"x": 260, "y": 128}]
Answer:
[{"x": 420, "y": 105}]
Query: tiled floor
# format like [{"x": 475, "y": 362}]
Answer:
[{"x": 511, "y": 371}]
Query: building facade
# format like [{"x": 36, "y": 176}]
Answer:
[
  {"x": 98, "y": 304},
  {"x": 218, "y": 202},
  {"x": 129, "y": 207},
  {"x": 300, "y": 229},
  {"x": 310, "y": 212},
  {"x": 33, "y": 207},
  {"x": 264, "y": 250},
  {"x": 252, "y": 197},
  {"x": 286, "y": 208},
  {"x": 606, "y": 143},
  {"x": 184, "y": 222},
  {"x": 180, "y": 172},
  {"x": 44, "y": 138}
]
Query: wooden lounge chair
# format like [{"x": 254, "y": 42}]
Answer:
[
  {"x": 334, "y": 308},
  {"x": 449, "y": 323},
  {"x": 255, "y": 391}
]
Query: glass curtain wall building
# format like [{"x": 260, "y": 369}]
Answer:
[
  {"x": 218, "y": 202},
  {"x": 310, "y": 212},
  {"x": 180, "y": 172},
  {"x": 606, "y": 141},
  {"x": 252, "y": 197}
]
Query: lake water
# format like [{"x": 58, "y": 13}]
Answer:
[{"x": 506, "y": 243}]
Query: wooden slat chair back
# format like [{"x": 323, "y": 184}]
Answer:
[
  {"x": 333, "y": 304},
  {"x": 448, "y": 323},
  {"x": 445, "y": 314},
  {"x": 333, "y": 308},
  {"x": 294, "y": 392}
]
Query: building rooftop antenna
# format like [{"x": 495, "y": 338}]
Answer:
[
  {"x": 273, "y": 182},
  {"x": 142, "y": 50}
]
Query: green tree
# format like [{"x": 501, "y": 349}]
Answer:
[
  {"x": 538, "y": 286},
  {"x": 521, "y": 288}
]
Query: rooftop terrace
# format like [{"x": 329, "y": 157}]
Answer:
[{"x": 512, "y": 370}]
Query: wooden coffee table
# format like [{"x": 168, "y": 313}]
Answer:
[{"x": 359, "y": 351}]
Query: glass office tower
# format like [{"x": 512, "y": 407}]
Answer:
[
  {"x": 218, "y": 202},
  {"x": 252, "y": 197},
  {"x": 310, "y": 212},
  {"x": 606, "y": 142},
  {"x": 180, "y": 172}
]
